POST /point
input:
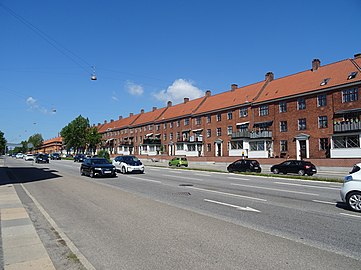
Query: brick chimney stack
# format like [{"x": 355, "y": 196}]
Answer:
[
  {"x": 269, "y": 76},
  {"x": 208, "y": 93},
  {"x": 120, "y": 117},
  {"x": 105, "y": 121},
  {"x": 142, "y": 111},
  {"x": 131, "y": 114},
  {"x": 186, "y": 100},
  {"x": 357, "y": 55},
  {"x": 154, "y": 108},
  {"x": 316, "y": 63},
  {"x": 234, "y": 87},
  {"x": 169, "y": 104}
]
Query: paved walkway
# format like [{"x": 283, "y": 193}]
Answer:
[{"x": 21, "y": 245}]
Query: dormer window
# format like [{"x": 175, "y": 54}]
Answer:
[
  {"x": 324, "y": 82},
  {"x": 352, "y": 75}
]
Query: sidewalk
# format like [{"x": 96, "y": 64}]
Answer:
[{"x": 21, "y": 245}]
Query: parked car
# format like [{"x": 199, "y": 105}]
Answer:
[
  {"x": 178, "y": 161},
  {"x": 300, "y": 167},
  {"x": 28, "y": 157},
  {"x": 97, "y": 167},
  {"x": 55, "y": 156},
  {"x": 79, "y": 158},
  {"x": 351, "y": 189},
  {"x": 19, "y": 155},
  {"x": 41, "y": 158},
  {"x": 244, "y": 165},
  {"x": 128, "y": 164}
]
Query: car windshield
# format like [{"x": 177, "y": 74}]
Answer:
[
  {"x": 130, "y": 158},
  {"x": 100, "y": 161},
  {"x": 355, "y": 168}
]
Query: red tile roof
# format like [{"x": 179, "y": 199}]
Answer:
[
  {"x": 117, "y": 124},
  {"x": 309, "y": 81},
  {"x": 53, "y": 140},
  {"x": 148, "y": 117}
]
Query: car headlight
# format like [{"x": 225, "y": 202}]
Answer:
[
  {"x": 348, "y": 178},
  {"x": 98, "y": 169}
]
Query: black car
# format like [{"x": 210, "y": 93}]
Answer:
[
  {"x": 97, "y": 167},
  {"x": 300, "y": 167},
  {"x": 55, "y": 156},
  {"x": 79, "y": 158},
  {"x": 244, "y": 165},
  {"x": 41, "y": 158}
]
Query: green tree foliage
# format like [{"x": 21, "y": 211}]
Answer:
[
  {"x": 79, "y": 136},
  {"x": 22, "y": 149},
  {"x": 2, "y": 143},
  {"x": 104, "y": 154},
  {"x": 36, "y": 140}
]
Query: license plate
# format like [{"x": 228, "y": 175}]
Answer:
[{"x": 107, "y": 172}]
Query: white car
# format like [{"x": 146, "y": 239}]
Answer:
[
  {"x": 19, "y": 155},
  {"x": 128, "y": 164},
  {"x": 29, "y": 157},
  {"x": 351, "y": 189}
]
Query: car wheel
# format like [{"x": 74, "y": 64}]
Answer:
[
  {"x": 178, "y": 165},
  {"x": 91, "y": 174},
  {"x": 81, "y": 172},
  {"x": 276, "y": 171},
  {"x": 301, "y": 172},
  {"x": 170, "y": 164},
  {"x": 354, "y": 201},
  {"x": 310, "y": 174},
  {"x": 248, "y": 170},
  {"x": 123, "y": 170}
]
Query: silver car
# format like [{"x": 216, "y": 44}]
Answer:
[{"x": 351, "y": 189}]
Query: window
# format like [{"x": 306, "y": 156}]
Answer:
[
  {"x": 180, "y": 146},
  {"x": 219, "y": 131},
  {"x": 302, "y": 124},
  {"x": 352, "y": 75},
  {"x": 301, "y": 104},
  {"x": 283, "y": 106},
  {"x": 219, "y": 117},
  {"x": 186, "y": 121},
  {"x": 209, "y": 147},
  {"x": 171, "y": 124},
  {"x": 165, "y": 126},
  {"x": 322, "y": 122},
  {"x": 256, "y": 146},
  {"x": 324, "y": 145},
  {"x": 229, "y": 130},
  {"x": 243, "y": 112},
  {"x": 178, "y": 123},
  {"x": 170, "y": 136},
  {"x": 209, "y": 133},
  {"x": 191, "y": 147},
  {"x": 321, "y": 100},
  {"x": 350, "y": 95},
  {"x": 229, "y": 115},
  {"x": 178, "y": 135},
  {"x": 263, "y": 110},
  {"x": 283, "y": 126},
  {"x": 237, "y": 145},
  {"x": 157, "y": 127},
  {"x": 164, "y": 136},
  {"x": 352, "y": 141},
  {"x": 283, "y": 146},
  {"x": 209, "y": 119},
  {"x": 198, "y": 120},
  {"x": 324, "y": 82}
]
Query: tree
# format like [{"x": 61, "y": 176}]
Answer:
[
  {"x": 75, "y": 134},
  {"x": 22, "y": 149},
  {"x": 2, "y": 143},
  {"x": 93, "y": 139},
  {"x": 36, "y": 140}
]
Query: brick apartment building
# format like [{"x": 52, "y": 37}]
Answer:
[{"x": 311, "y": 114}]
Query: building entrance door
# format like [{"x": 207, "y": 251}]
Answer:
[{"x": 303, "y": 149}]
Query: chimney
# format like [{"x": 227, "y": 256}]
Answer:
[
  {"x": 186, "y": 99},
  {"x": 169, "y": 104},
  {"x": 269, "y": 76},
  {"x": 142, "y": 111},
  {"x": 130, "y": 114},
  {"x": 208, "y": 93},
  {"x": 154, "y": 108},
  {"x": 98, "y": 124},
  {"x": 316, "y": 63},
  {"x": 111, "y": 120},
  {"x": 105, "y": 121},
  {"x": 234, "y": 86},
  {"x": 357, "y": 56},
  {"x": 120, "y": 117}
]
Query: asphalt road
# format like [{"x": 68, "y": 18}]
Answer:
[{"x": 177, "y": 219}]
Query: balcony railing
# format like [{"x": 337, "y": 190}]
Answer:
[
  {"x": 151, "y": 141},
  {"x": 241, "y": 134},
  {"x": 346, "y": 126},
  {"x": 261, "y": 134}
]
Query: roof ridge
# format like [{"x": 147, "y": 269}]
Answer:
[
  {"x": 355, "y": 64},
  {"x": 200, "y": 104},
  {"x": 261, "y": 90}
]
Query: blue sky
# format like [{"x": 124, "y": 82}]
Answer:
[{"x": 148, "y": 52}]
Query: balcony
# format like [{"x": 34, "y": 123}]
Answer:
[
  {"x": 346, "y": 126},
  {"x": 241, "y": 134},
  {"x": 151, "y": 141},
  {"x": 261, "y": 134}
]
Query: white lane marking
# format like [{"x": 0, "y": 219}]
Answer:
[
  {"x": 183, "y": 177},
  {"x": 142, "y": 179},
  {"x": 229, "y": 194},
  {"x": 204, "y": 174},
  {"x": 247, "y": 208},
  {"x": 68, "y": 242},
  {"x": 275, "y": 189},
  {"x": 332, "y": 203},
  {"x": 350, "y": 215},
  {"x": 238, "y": 178},
  {"x": 300, "y": 185}
]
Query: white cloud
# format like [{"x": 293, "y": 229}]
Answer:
[
  {"x": 134, "y": 89},
  {"x": 114, "y": 96},
  {"x": 34, "y": 106},
  {"x": 178, "y": 91}
]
